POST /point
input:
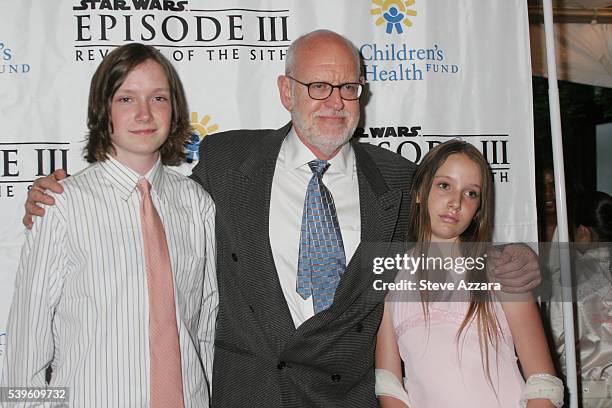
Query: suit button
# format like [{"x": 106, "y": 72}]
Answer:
[
  {"x": 335, "y": 377},
  {"x": 281, "y": 365},
  {"x": 234, "y": 257},
  {"x": 359, "y": 328}
]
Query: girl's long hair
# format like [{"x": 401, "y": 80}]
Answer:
[{"x": 478, "y": 235}]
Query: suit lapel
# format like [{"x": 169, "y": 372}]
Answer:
[
  {"x": 379, "y": 207},
  {"x": 259, "y": 277},
  {"x": 378, "y": 204}
]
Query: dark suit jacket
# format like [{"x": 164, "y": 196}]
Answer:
[{"x": 261, "y": 360}]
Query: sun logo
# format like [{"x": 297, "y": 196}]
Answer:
[
  {"x": 201, "y": 129},
  {"x": 394, "y": 13}
]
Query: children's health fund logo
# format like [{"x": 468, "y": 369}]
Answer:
[
  {"x": 392, "y": 14},
  {"x": 396, "y": 60},
  {"x": 9, "y": 65}
]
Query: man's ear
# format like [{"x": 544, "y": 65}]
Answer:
[{"x": 284, "y": 91}]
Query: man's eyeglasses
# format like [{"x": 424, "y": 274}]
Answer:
[{"x": 349, "y": 91}]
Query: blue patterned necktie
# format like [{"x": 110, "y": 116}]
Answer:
[{"x": 321, "y": 261}]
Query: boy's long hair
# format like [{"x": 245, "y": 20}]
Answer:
[
  {"x": 109, "y": 76},
  {"x": 478, "y": 235}
]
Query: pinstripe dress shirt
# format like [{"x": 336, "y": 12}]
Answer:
[{"x": 81, "y": 301}]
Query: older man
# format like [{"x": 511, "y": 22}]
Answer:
[
  {"x": 297, "y": 321},
  {"x": 292, "y": 333}
]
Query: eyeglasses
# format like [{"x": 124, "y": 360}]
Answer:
[{"x": 349, "y": 91}]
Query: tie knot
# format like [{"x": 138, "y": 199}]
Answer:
[
  {"x": 318, "y": 167},
  {"x": 144, "y": 186}
]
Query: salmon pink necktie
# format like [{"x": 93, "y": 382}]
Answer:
[{"x": 166, "y": 377}]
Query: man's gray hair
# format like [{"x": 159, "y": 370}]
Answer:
[{"x": 292, "y": 51}]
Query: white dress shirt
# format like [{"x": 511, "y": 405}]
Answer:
[
  {"x": 81, "y": 301},
  {"x": 291, "y": 177}
]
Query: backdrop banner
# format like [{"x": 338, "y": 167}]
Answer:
[{"x": 436, "y": 70}]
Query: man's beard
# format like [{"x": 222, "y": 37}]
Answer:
[{"x": 325, "y": 143}]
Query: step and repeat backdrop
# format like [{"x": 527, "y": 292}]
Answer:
[{"x": 436, "y": 70}]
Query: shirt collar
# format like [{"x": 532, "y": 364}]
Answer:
[
  {"x": 294, "y": 154},
  {"x": 125, "y": 179}
]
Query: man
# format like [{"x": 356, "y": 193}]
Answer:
[{"x": 280, "y": 340}]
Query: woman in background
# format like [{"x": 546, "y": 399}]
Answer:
[{"x": 593, "y": 281}]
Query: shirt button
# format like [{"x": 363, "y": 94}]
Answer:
[
  {"x": 281, "y": 365},
  {"x": 335, "y": 377},
  {"x": 234, "y": 257},
  {"x": 359, "y": 328}
]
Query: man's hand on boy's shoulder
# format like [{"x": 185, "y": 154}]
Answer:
[{"x": 37, "y": 195}]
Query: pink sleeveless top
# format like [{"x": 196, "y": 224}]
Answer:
[{"x": 443, "y": 372}]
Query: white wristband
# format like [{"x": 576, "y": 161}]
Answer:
[
  {"x": 389, "y": 385},
  {"x": 543, "y": 386}
]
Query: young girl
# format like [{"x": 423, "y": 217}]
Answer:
[{"x": 460, "y": 353}]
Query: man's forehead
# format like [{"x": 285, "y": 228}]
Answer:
[
  {"x": 326, "y": 63},
  {"x": 329, "y": 72}
]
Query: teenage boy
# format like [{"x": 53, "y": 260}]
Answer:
[{"x": 116, "y": 291}]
